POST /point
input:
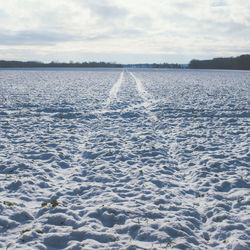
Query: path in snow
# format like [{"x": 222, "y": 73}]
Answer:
[
  {"x": 147, "y": 98},
  {"x": 113, "y": 92}
]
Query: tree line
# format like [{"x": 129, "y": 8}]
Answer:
[
  {"x": 31, "y": 64},
  {"x": 155, "y": 65},
  {"x": 34, "y": 64},
  {"x": 239, "y": 63}
]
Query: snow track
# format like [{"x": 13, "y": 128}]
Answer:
[
  {"x": 147, "y": 98},
  {"x": 114, "y": 90}
]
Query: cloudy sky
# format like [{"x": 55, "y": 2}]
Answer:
[{"x": 124, "y": 31}]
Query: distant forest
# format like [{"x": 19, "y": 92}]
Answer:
[
  {"x": 155, "y": 65},
  {"x": 241, "y": 62},
  {"x": 31, "y": 64}
]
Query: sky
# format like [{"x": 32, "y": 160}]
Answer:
[{"x": 123, "y": 31}]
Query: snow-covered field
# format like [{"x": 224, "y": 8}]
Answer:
[{"x": 124, "y": 159}]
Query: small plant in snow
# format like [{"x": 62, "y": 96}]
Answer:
[
  {"x": 170, "y": 244},
  {"x": 240, "y": 200},
  {"x": 44, "y": 204},
  {"x": 8, "y": 203},
  {"x": 54, "y": 203},
  {"x": 25, "y": 231},
  {"x": 200, "y": 195}
]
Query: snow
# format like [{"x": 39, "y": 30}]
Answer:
[
  {"x": 124, "y": 159},
  {"x": 114, "y": 90}
]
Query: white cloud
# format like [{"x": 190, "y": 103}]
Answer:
[{"x": 73, "y": 29}]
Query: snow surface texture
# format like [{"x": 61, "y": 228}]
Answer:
[{"x": 111, "y": 159}]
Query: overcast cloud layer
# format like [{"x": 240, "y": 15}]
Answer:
[{"x": 130, "y": 31}]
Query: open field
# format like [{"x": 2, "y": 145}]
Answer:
[{"x": 124, "y": 159}]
